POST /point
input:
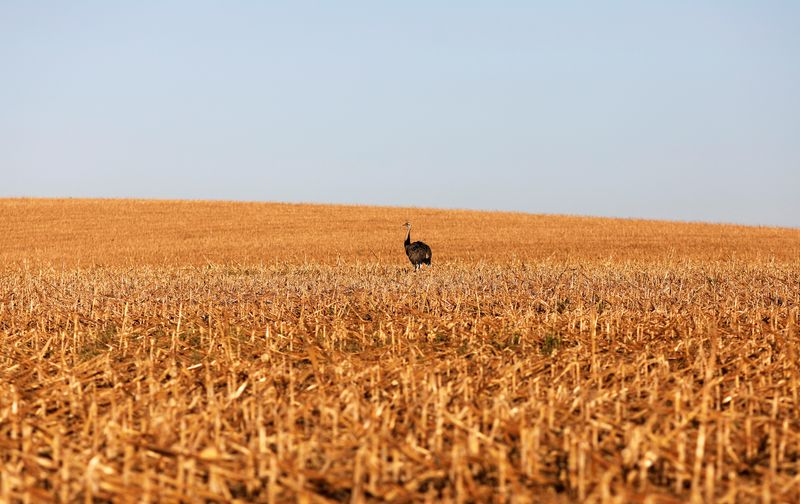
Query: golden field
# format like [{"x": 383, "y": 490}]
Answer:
[{"x": 212, "y": 351}]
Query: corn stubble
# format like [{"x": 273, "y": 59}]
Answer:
[{"x": 522, "y": 378}]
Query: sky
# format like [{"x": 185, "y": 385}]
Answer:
[{"x": 685, "y": 110}]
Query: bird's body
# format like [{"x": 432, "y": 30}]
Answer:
[{"x": 418, "y": 253}]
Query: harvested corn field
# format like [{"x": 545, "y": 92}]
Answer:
[{"x": 185, "y": 351}]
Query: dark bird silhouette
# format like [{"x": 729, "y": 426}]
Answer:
[{"x": 418, "y": 253}]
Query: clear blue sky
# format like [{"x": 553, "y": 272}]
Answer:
[{"x": 677, "y": 110}]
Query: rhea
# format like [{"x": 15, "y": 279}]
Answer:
[{"x": 418, "y": 253}]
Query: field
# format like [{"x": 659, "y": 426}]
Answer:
[{"x": 211, "y": 351}]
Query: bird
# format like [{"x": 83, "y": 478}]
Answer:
[{"x": 418, "y": 253}]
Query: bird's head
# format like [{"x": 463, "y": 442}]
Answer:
[{"x": 407, "y": 225}]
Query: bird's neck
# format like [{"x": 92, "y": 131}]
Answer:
[{"x": 408, "y": 236}]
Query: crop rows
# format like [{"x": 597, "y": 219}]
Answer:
[{"x": 545, "y": 380}]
